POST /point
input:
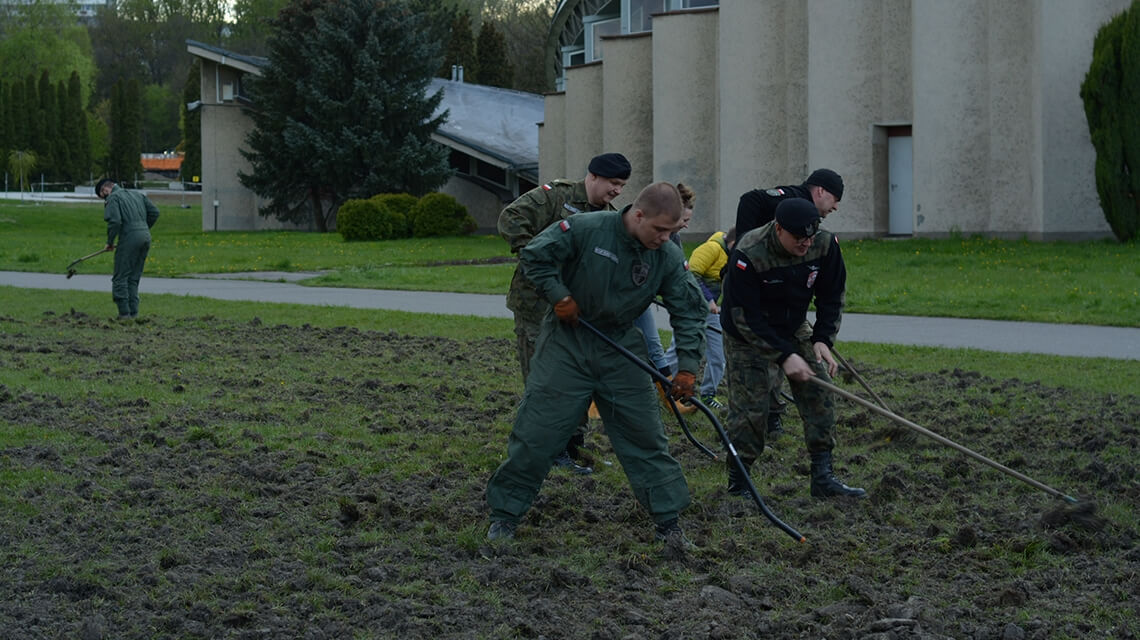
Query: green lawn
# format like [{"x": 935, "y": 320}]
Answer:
[{"x": 1066, "y": 282}]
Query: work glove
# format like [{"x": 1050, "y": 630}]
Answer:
[
  {"x": 567, "y": 311},
  {"x": 684, "y": 385}
]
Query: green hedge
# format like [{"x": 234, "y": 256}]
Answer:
[{"x": 438, "y": 214}]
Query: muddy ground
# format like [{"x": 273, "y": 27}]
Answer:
[{"x": 200, "y": 478}]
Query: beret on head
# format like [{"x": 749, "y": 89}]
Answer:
[
  {"x": 610, "y": 165},
  {"x": 99, "y": 185},
  {"x": 798, "y": 217},
  {"x": 827, "y": 179}
]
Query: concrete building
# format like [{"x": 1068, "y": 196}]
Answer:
[
  {"x": 943, "y": 117},
  {"x": 492, "y": 135}
]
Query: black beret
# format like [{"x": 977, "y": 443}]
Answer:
[
  {"x": 99, "y": 185},
  {"x": 610, "y": 165},
  {"x": 798, "y": 217},
  {"x": 829, "y": 180}
]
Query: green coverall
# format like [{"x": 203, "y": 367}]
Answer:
[
  {"x": 129, "y": 216},
  {"x": 613, "y": 278}
]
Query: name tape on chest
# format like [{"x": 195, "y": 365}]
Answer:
[
  {"x": 571, "y": 208},
  {"x": 606, "y": 254}
]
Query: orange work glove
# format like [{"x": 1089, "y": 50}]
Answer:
[
  {"x": 567, "y": 311},
  {"x": 684, "y": 385}
]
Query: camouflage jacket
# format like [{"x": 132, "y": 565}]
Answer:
[
  {"x": 524, "y": 218},
  {"x": 767, "y": 291},
  {"x": 758, "y": 207}
]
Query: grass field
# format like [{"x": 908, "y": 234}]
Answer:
[{"x": 1081, "y": 283}]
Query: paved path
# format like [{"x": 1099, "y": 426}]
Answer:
[{"x": 988, "y": 335}]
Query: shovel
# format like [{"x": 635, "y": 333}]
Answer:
[{"x": 71, "y": 267}]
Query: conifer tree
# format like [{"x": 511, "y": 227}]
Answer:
[
  {"x": 342, "y": 109},
  {"x": 460, "y": 46},
  {"x": 493, "y": 67},
  {"x": 1111, "y": 93},
  {"x": 192, "y": 124},
  {"x": 76, "y": 127}
]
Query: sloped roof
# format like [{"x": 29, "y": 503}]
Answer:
[{"x": 499, "y": 126}]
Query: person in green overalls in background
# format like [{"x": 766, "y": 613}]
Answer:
[
  {"x": 604, "y": 267},
  {"x": 129, "y": 216}
]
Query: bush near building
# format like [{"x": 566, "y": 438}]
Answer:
[
  {"x": 439, "y": 214},
  {"x": 1111, "y": 91},
  {"x": 389, "y": 216}
]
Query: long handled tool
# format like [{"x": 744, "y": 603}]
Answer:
[
  {"x": 716, "y": 423},
  {"x": 858, "y": 378},
  {"x": 71, "y": 267},
  {"x": 942, "y": 440}
]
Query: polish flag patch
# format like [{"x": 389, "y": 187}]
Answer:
[
  {"x": 564, "y": 225},
  {"x": 740, "y": 264},
  {"x": 547, "y": 187},
  {"x": 686, "y": 265}
]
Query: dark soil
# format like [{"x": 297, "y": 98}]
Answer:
[{"x": 199, "y": 478}]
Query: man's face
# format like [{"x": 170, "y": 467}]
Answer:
[
  {"x": 824, "y": 201},
  {"x": 105, "y": 190},
  {"x": 652, "y": 232},
  {"x": 601, "y": 191},
  {"x": 793, "y": 244}
]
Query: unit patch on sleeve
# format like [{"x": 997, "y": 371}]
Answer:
[
  {"x": 775, "y": 193},
  {"x": 564, "y": 225}
]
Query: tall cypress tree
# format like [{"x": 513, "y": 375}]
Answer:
[
  {"x": 78, "y": 139},
  {"x": 37, "y": 136},
  {"x": 1111, "y": 93},
  {"x": 493, "y": 67},
  {"x": 49, "y": 120},
  {"x": 342, "y": 109},
  {"x": 192, "y": 124},
  {"x": 5, "y": 122}
]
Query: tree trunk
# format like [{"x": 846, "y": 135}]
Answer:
[{"x": 318, "y": 213}]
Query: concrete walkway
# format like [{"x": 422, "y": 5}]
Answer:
[{"x": 989, "y": 335}]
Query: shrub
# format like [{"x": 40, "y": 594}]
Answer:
[
  {"x": 401, "y": 205},
  {"x": 1110, "y": 92},
  {"x": 362, "y": 220},
  {"x": 438, "y": 214}
]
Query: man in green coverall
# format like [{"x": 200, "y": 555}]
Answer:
[
  {"x": 605, "y": 267},
  {"x": 521, "y": 221},
  {"x": 129, "y": 216}
]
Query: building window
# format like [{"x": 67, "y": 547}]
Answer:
[
  {"x": 595, "y": 31},
  {"x": 636, "y": 14}
]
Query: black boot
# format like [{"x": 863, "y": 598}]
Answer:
[
  {"x": 775, "y": 426},
  {"x": 564, "y": 461},
  {"x": 824, "y": 483},
  {"x": 737, "y": 483}
]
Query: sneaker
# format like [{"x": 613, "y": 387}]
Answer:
[
  {"x": 712, "y": 402},
  {"x": 670, "y": 533},
  {"x": 501, "y": 530},
  {"x": 564, "y": 461}
]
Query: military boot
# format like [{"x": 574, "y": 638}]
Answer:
[
  {"x": 775, "y": 425},
  {"x": 823, "y": 481},
  {"x": 737, "y": 482}
]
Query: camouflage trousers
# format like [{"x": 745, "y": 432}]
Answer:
[{"x": 752, "y": 377}]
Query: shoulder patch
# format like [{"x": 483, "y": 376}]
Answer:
[
  {"x": 741, "y": 264},
  {"x": 775, "y": 193},
  {"x": 564, "y": 225},
  {"x": 686, "y": 264},
  {"x": 547, "y": 187}
]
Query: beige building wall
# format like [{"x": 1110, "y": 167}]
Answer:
[
  {"x": 685, "y": 113},
  {"x": 628, "y": 106},
  {"x": 552, "y": 138},
  {"x": 762, "y": 62},
  {"x": 855, "y": 81},
  {"x": 1069, "y": 202},
  {"x": 226, "y": 204},
  {"x": 584, "y": 117},
  {"x": 483, "y": 204},
  {"x": 988, "y": 88}
]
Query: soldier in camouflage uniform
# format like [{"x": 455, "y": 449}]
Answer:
[
  {"x": 522, "y": 220},
  {"x": 824, "y": 189},
  {"x": 774, "y": 273},
  {"x": 605, "y": 267}
]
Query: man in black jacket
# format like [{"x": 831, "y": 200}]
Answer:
[
  {"x": 824, "y": 189},
  {"x": 774, "y": 273}
]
